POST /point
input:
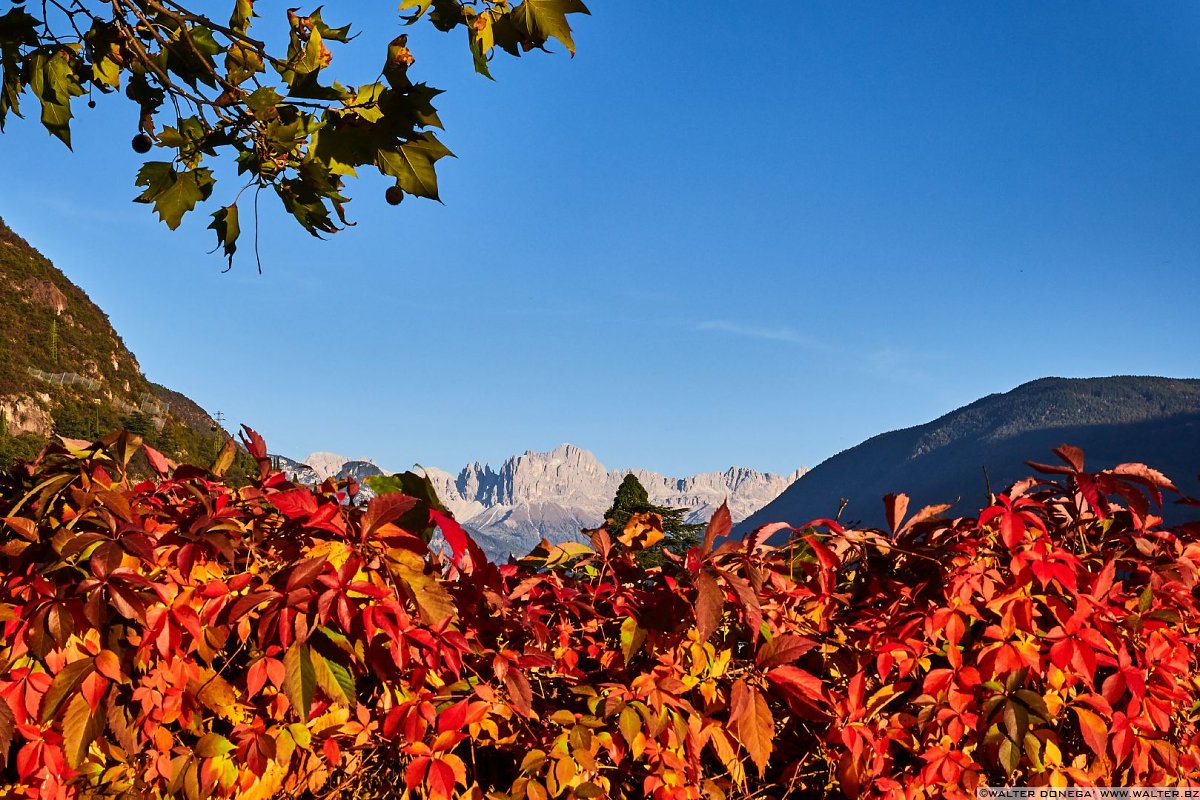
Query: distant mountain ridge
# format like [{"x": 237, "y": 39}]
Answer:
[
  {"x": 1151, "y": 420},
  {"x": 556, "y": 493}
]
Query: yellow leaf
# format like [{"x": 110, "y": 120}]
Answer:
[{"x": 642, "y": 531}]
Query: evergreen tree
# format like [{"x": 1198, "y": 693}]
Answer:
[{"x": 632, "y": 498}]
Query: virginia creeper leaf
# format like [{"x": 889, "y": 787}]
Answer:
[
  {"x": 751, "y": 722},
  {"x": 300, "y": 678},
  {"x": 81, "y": 725},
  {"x": 65, "y": 683}
]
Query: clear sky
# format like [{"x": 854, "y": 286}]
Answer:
[{"x": 752, "y": 233}]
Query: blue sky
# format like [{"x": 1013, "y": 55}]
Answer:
[{"x": 755, "y": 234}]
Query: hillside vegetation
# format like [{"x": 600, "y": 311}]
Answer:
[
  {"x": 1126, "y": 418},
  {"x": 64, "y": 370}
]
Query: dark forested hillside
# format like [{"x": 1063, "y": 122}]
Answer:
[{"x": 1152, "y": 420}]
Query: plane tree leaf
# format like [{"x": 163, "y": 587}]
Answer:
[{"x": 209, "y": 90}]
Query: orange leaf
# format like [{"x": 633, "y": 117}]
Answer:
[
  {"x": 25, "y": 528},
  {"x": 710, "y": 605},
  {"x": 642, "y": 531},
  {"x": 896, "y": 506},
  {"x": 751, "y": 722},
  {"x": 1094, "y": 730},
  {"x": 719, "y": 525}
]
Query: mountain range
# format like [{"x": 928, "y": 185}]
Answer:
[
  {"x": 556, "y": 494},
  {"x": 1155, "y": 421}
]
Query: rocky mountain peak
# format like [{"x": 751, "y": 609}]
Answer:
[{"x": 558, "y": 492}]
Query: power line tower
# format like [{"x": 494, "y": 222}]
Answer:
[{"x": 220, "y": 420}]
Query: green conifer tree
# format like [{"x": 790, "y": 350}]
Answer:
[{"x": 632, "y": 498}]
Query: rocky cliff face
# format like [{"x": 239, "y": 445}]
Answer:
[{"x": 555, "y": 494}]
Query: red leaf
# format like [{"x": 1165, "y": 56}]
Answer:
[
  {"x": 1071, "y": 455},
  {"x": 453, "y": 718},
  {"x": 763, "y": 533},
  {"x": 414, "y": 774},
  {"x": 710, "y": 605},
  {"x": 385, "y": 508},
  {"x": 751, "y": 607},
  {"x": 29, "y": 759},
  {"x": 440, "y": 780},
  {"x": 304, "y": 573},
  {"x": 896, "y": 506},
  {"x": 294, "y": 503},
  {"x": 519, "y": 692},
  {"x": 250, "y": 601},
  {"x": 459, "y": 540},
  {"x": 256, "y": 677},
  {"x": 800, "y": 688},
  {"x": 719, "y": 525},
  {"x": 257, "y": 448},
  {"x": 825, "y": 556},
  {"x": 783, "y": 650},
  {"x": 157, "y": 460}
]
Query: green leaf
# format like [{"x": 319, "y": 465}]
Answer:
[
  {"x": 242, "y": 62},
  {"x": 173, "y": 193},
  {"x": 53, "y": 81},
  {"x": 263, "y": 102},
  {"x": 299, "y": 679},
  {"x": 411, "y": 164},
  {"x": 481, "y": 41},
  {"x": 632, "y": 638},
  {"x": 312, "y": 53},
  {"x": 1016, "y": 720},
  {"x": 225, "y": 223},
  {"x": 1010, "y": 756},
  {"x": 243, "y": 13},
  {"x": 81, "y": 726},
  {"x": 421, "y": 7},
  {"x": 341, "y": 34},
  {"x": 107, "y": 72},
  {"x": 212, "y": 745},
  {"x": 333, "y": 679},
  {"x": 541, "y": 20},
  {"x": 63, "y": 686},
  {"x": 629, "y": 723}
]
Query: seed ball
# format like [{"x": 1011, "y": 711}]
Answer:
[
  {"x": 394, "y": 195},
  {"x": 142, "y": 143}
]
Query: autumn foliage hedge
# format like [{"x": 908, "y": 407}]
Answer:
[{"x": 185, "y": 637}]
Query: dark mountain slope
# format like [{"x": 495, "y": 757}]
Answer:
[{"x": 1152, "y": 420}]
